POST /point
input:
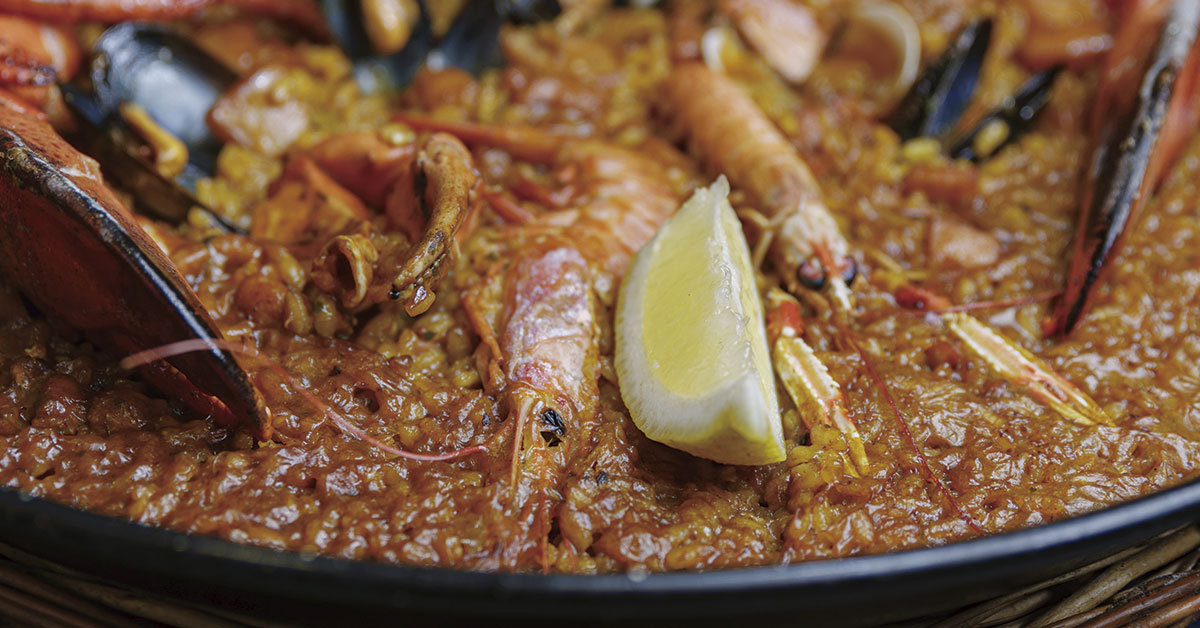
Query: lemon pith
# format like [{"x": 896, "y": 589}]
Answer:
[{"x": 691, "y": 354}]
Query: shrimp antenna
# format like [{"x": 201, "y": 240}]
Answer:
[
  {"x": 143, "y": 358},
  {"x": 912, "y": 441}
]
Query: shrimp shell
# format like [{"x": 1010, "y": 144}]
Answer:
[{"x": 730, "y": 132}]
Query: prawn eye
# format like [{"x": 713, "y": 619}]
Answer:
[
  {"x": 394, "y": 294},
  {"x": 849, "y": 270},
  {"x": 555, "y": 428},
  {"x": 811, "y": 274}
]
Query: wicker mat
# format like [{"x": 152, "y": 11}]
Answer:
[{"x": 1156, "y": 584}]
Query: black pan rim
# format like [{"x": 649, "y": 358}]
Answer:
[{"x": 1145, "y": 516}]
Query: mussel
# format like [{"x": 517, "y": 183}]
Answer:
[
  {"x": 471, "y": 43},
  {"x": 78, "y": 254},
  {"x": 172, "y": 81},
  {"x": 376, "y": 69},
  {"x": 170, "y": 77},
  {"x": 1134, "y": 146},
  {"x": 936, "y": 102}
]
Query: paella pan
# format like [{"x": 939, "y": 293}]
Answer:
[{"x": 574, "y": 288}]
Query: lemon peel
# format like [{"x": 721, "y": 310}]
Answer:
[{"x": 691, "y": 348}]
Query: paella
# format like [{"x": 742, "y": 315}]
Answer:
[{"x": 591, "y": 287}]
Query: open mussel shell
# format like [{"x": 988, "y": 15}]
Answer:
[
  {"x": 944, "y": 89},
  {"x": 80, "y": 256},
  {"x": 1009, "y": 121},
  {"x": 121, "y": 154},
  {"x": 167, "y": 75},
  {"x": 936, "y": 102},
  {"x": 472, "y": 42},
  {"x": 1130, "y": 155},
  {"x": 375, "y": 72},
  {"x": 530, "y": 11}
]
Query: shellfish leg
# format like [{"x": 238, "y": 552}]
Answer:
[
  {"x": 806, "y": 379},
  {"x": 1026, "y": 370}
]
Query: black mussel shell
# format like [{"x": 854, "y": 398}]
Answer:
[
  {"x": 528, "y": 11},
  {"x": 473, "y": 41},
  {"x": 376, "y": 72},
  {"x": 176, "y": 83},
  {"x": 471, "y": 44},
  {"x": 942, "y": 92},
  {"x": 119, "y": 151},
  {"x": 1017, "y": 113},
  {"x": 170, "y": 77}
]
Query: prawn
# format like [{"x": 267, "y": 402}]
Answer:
[
  {"x": 728, "y": 130},
  {"x": 546, "y": 304}
]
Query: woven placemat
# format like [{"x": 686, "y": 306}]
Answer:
[{"x": 1148, "y": 586}]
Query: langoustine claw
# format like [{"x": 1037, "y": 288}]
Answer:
[
  {"x": 732, "y": 134},
  {"x": 77, "y": 252},
  {"x": 806, "y": 379},
  {"x": 1135, "y": 142}
]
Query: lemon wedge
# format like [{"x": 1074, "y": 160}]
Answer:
[{"x": 691, "y": 350}]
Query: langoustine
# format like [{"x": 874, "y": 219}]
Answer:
[
  {"x": 729, "y": 132},
  {"x": 736, "y": 138},
  {"x": 539, "y": 313}
]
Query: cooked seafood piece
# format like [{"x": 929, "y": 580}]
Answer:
[
  {"x": 423, "y": 284},
  {"x": 302, "y": 14},
  {"x": 1135, "y": 139},
  {"x": 80, "y": 255},
  {"x": 390, "y": 40},
  {"x": 935, "y": 105},
  {"x": 727, "y": 128}
]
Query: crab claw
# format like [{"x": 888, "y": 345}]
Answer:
[
  {"x": 1135, "y": 144},
  {"x": 78, "y": 254}
]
